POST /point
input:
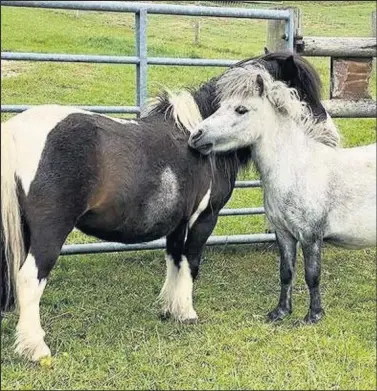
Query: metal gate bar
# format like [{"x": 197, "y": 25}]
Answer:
[
  {"x": 151, "y": 8},
  {"x": 107, "y": 247},
  {"x": 104, "y": 59}
]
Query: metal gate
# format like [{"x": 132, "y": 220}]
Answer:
[{"x": 141, "y": 61}]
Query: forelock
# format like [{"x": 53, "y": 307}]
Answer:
[{"x": 241, "y": 82}]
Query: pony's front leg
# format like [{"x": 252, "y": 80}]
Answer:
[
  {"x": 176, "y": 293},
  {"x": 312, "y": 259},
  {"x": 197, "y": 237},
  {"x": 287, "y": 247},
  {"x": 183, "y": 267}
]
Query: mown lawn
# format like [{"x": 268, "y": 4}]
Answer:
[{"x": 100, "y": 311}]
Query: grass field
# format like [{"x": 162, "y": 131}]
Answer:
[{"x": 100, "y": 311}]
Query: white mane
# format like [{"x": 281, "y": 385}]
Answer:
[
  {"x": 241, "y": 83},
  {"x": 182, "y": 107}
]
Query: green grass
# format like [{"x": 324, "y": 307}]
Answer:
[
  {"x": 100, "y": 311},
  {"x": 104, "y": 330}
]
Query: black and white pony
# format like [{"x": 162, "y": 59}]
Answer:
[
  {"x": 314, "y": 191},
  {"x": 127, "y": 181}
]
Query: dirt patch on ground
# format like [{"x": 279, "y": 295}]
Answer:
[{"x": 14, "y": 68}]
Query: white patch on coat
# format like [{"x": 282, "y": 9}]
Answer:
[
  {"x": 169, "y": 185},
  {"x": 164, "y": 199},
  {"x": 29, "y": 336},
  {"x": 30, "y": 129},
  {"x": 176, "y": 294},
  {"x": 201, "y": 207}
]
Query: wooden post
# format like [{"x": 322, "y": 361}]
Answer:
[
  {"x": 276, "y": 40},
  {"x": 350, "y": 77},
  {"x": 197, "y": 31}
]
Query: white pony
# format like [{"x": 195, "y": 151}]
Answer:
[{"x": 313, "y": 189}]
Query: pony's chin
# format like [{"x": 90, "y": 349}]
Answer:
[{"x": 205, "y": 149}]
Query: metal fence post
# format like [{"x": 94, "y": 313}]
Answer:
[
  {"x": 141, "y": 52},
  {"x": 290, "y": 30}
]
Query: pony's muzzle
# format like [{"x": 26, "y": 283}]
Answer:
[
  {"x": 196, "y": 136},
  {"x": 197, "y": 141}
]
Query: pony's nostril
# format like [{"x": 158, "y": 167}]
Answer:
[{"x": 197, "y": 134}]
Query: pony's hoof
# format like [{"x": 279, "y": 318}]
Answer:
[
  {"x": 277, "y": 314},
  {"x": 314, "y": 316},
  {"x": 190, "y": 321},
  {"x": 40, "y": 351},
  {"x": 190, "y": 317}
]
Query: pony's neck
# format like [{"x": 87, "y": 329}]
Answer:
[{"x": 279, "y": 147}]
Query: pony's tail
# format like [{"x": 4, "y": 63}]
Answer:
[{"x": 12, "y": 242}]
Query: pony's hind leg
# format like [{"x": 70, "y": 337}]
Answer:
[
  {"x": 287, "y": 248},
  {"x": 30, "y": 335},
  {"x": 312, "y": 259},
  {"x": 47, "y": 238}
]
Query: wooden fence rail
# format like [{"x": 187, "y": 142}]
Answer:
[{"x": 351, "y": 64}]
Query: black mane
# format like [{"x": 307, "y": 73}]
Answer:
[{"x": 307, "y": 82}]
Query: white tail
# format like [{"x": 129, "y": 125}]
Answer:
[{"x": 10, "y": 212}]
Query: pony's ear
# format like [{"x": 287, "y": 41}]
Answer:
[
  {"x": 266, "y": 51},
  {"x": 289, "y": 69},
  {"x": 260, "y": 84}
]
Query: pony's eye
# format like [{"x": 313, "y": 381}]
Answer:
[{"x": 241, "y": 110}]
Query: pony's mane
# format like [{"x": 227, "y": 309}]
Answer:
[
  {"x": 188, "y": 108},
  {"x": 179, "y": 105},
  {"x": 242, "y": 83},
  {"x": 307, "y": 82}
]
